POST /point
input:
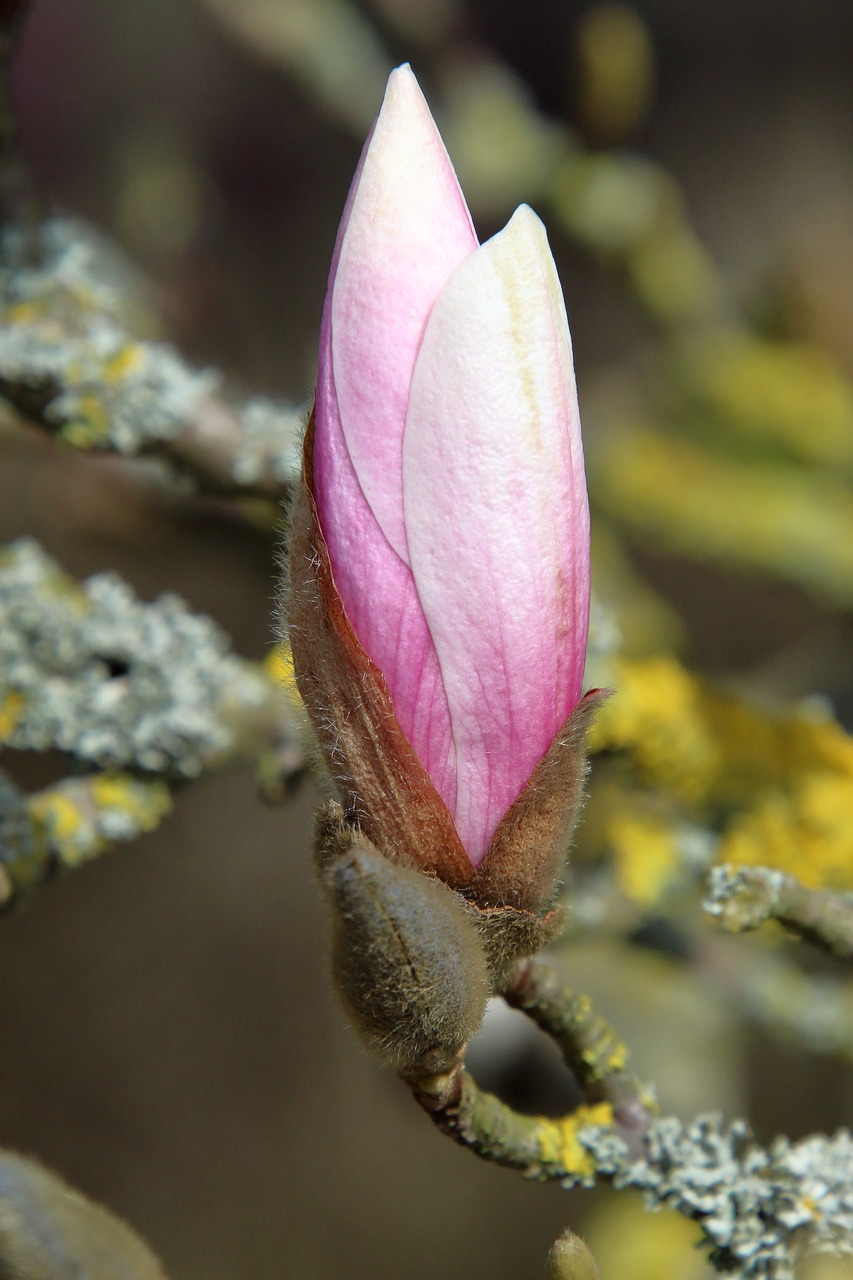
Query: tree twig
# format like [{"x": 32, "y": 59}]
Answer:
[
  {"x": 758, "y": 1208},
  {"x": 593, "y": 1052},
  {"x": 744, "y": 898},
  {"x": 71, "y": 363},
  {"x": 70, "y": 823},
  {"x": 152, "y": 688}
]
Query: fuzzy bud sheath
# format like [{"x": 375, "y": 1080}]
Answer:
[
  {"x": 49, "y": 1231},
  {"x": 570, "y": 1259},
  {"x": 438, "y": 598}
]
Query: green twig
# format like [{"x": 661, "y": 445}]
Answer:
[
  {"x": 548, "y": 1150},
  {"x": 758, "y": 1208},
  {"x": 592, "y": 1050}
]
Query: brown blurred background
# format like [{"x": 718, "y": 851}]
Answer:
[{"x": 168, "y": 1039}]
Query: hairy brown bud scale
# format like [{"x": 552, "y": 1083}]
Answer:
[{"x": 408, "y": 962}]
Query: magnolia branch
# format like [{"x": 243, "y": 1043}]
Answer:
[
  {"x": 744, "y": 898},
  {"x": 71, "y": 364},
  {"x": 70, "y": 823},
  {"x": 591, "y": 1049},
  {"x": 758, "y": 1208},
  {"x": 90, "y": 670},
  {"x": 146, "y": 696}
]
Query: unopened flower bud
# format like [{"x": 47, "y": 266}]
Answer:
[
  {"x": 570, "y": 1259},
  {"x": 407, "y": 960},
  {"x": 48, "y": 1231},
  {"x": 439, "y": 554}
]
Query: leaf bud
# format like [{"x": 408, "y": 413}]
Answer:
[
  {"x": 48, "y": 1231},
  {"x": 407, "y": 960},
  {"x": 570, "y": 1259}
]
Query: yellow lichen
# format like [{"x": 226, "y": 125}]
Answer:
[
  {"x": 145, "y": 803},
  {"x": 91, "y": 428},
  {"x": 646, "y": 856},
  {"x": 656, "y": 714},
  {"x": 782, "y": 782},
  {"x": 10, "y": 713},
  {"x": 806, "y": 831},
  {"x": 705, "y": 744},
  {"x": 77, "y": 819},
  {"x": 559, "y": 1140},
  {"x": 607, "y": 1056},
  {"x": 58, "y": 814},
  {"x": 126, "y": 361}
]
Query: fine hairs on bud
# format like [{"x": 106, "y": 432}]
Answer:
[
  {"x": 48, "y": 1231},
  {"x": 407, "y": 961},
  {"x": 570, "y": 1259}
]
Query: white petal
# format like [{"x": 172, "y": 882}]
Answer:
[{"x": 497, "y": 518}]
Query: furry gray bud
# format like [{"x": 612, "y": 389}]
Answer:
[
  {"x": 48, "y": 1231},
  {"x": 570, "y": 1259},
  {"x": 408, "y": 962}
]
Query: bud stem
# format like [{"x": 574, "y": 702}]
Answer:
[
  {"x": 540, "y": 1147},
  {"x": 591, "y": 1049}
]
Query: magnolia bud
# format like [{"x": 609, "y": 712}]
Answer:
[
  {"x": 407, "y": 960},
  {"x": 439, "y": 551},
  {"x": 50, "y": 1232},
  {"x": 570, "y": 1259}
]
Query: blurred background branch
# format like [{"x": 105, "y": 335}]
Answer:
[
  {"x": 91, "y": 671},
  {"x": 64, "y": 826},
  {"x": 69, "y": 365},
  {"x": 742, "y": 898}
]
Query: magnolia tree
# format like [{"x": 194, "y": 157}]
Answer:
[{"x": 434, "y": 614}]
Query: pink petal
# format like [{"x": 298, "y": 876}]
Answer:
[
  {"x": 380, "y": 599},
  {"x": 405, "y": 228},
  {"x": 497, "y": 517}
]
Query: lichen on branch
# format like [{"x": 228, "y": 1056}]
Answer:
[
  {"x": 72, "y": 363},
  {"x": 742, "y": 898},
  {"x": 759, "y": 1208},
  {"x": 65, "y": 825},
  {"x": 120, "y": 684}
]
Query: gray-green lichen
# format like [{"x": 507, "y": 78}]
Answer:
[
  {"x": 761, "y": 1208},
  {"x": 96, "y": 673},
  {"x": 69, "y": 359}
]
